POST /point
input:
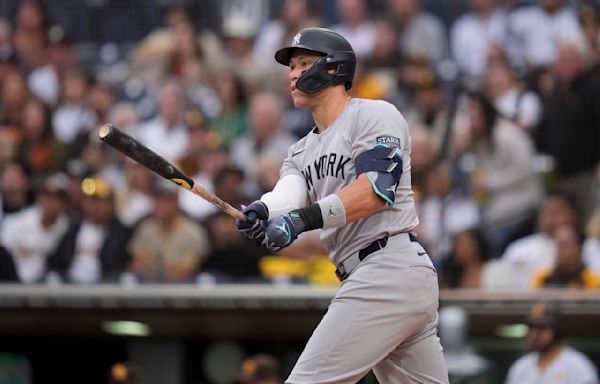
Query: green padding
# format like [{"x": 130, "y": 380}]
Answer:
[{"x": 378, "y": 192}]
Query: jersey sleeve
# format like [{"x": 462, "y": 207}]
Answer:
[
  {"x": 379, "y": 124},
  {"x": 289, "y": 166},
  {"x": 381, "y": 147}
]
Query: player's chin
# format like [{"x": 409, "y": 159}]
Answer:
[{"x": 300, "y": 99}]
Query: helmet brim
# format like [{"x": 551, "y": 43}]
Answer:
[{"x": 284, "y": 55}]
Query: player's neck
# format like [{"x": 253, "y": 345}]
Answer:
[{"x": 328, "y": 107}]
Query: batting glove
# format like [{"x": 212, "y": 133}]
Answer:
[
  {"x": 283, "y": 230},
  {"x": 257, "y": 214}
]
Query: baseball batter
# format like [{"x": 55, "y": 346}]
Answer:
[{"x": 350, "y": 177}]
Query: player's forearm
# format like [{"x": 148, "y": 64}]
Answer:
[
  {"x": 359, "y": 199},
  {"x": 289, "y": 194}
]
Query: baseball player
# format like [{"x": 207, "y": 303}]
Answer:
[
  {"x": 550, "y": 360},
  {"x": 350, "y": 177}
]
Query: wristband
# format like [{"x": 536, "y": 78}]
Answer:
[{"x": 333, "y": 212}]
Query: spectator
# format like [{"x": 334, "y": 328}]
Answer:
[
  {"x": 167, "y": 133},
  {"x": 423, "y": 159},
  {"x": 134, "y": 199},
  {"x": 510, "y": 97},
  {"x": 62, "y": 55},
  {"x": 356, "y": 26},
  {"x": 570, "y": 131},
  {"x": 32, "y": 235},
  {"x": 101, "y": 99},
  {"x": 209, "y": 161},
  {"x": 429, "y": 109},
  {"x": 8, "y": 271},
  {"x": 568, "y": 270},
  {"x": 536, "y": 31},
  {"x": 228, "y": 185},
  {"x": 526, "y": 256},
  {"x": 167, "y": 246},
  {"x": 230, "y": 122},
  {"x": 15, "y": 194},
  {"x": 14, "y": 96},
  {"x": 591, "y": 246},
  {"x": 260, "y": 369},
  {"x": 589, "y": 17},
  {"x": 160, "y": 53},
  {"x": 386, "y": 48},
  {"x": 444, "y": 212},
  {"x": 31, "y": 29},
  {"x": 466, "y": 265},
  {"x": 187, "y": 63},
  {"x": 503, "y": 180},
  {"x": 43, "y": 79},
  {"x": 293, "y": 16},
  {"x": 73, "y": 119},
  {"x": 421, "y": 34},
  {"x": 239, "y": 33},
  {"x": 39, "y": 150},
  {"x": 472, "y": 35},
  {"x": 97, "y": 161},
  {"x": 265, "y": 137},
  {"x": 550, "y": 360},
  {"x": 94, "y": 248},
  {"x": 233, "y": 258}
]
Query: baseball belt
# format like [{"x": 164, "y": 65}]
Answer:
[{"x": 345, "y": 268}]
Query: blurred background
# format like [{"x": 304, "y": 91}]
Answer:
[{"x": 110, "y": 275}]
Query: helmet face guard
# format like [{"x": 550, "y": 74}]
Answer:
[
  {"x": 316, "y": 78},
  {"x": 338, "y": 55}
]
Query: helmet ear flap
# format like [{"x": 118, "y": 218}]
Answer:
[{"x": 317, "y": 77}]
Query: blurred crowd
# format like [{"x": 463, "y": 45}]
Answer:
[{"x": 503, "y": 104}]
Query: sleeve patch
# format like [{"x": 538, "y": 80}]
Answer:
[{"x": 389, "y": 141}]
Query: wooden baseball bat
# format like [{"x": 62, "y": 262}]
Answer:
[{"x": 132, "y": 148}]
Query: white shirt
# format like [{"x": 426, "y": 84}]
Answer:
[
  {"x": 86, "y": 267},
  {"x": 569, "y": 367},
  {"x": 590, "y": 255},
  {"x": 523, "y": 107},
  {"x": 441, "y": 219},
  {"x": 526, "y": 256},
  {"x": 44, "y": 84},
  {"x": 534, "y": 35},
  {"x": 71, "y": 120},
  {"x": 170, "y": 143},
  {"x": 470, "y": 38},
  {"x": 194, "y": 207},
  {"x": 30, "y": 243}
]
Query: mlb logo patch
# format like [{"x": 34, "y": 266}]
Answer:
[{"x": 389, "y": 141}]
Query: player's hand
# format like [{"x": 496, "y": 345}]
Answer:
[
  {"x": 255, "y": 226},
  {"x": 282, "y": 231}
]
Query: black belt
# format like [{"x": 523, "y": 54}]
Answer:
[{"x": 345, "y": 268}]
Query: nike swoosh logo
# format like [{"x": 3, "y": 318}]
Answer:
[
  {"x": 421, "y": 253},
  {"x": 297, "y": 153}
]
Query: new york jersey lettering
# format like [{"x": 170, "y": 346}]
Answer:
[{"x": 330, "y": 165}]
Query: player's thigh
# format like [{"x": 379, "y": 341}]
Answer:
[
  {"x": 419, "y": 362},
  {"x": 374, "y": 312}
]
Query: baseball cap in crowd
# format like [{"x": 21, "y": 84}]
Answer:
[
  {"x": 260, "y": 367},
  {"x": 96, "y": 187},
  {"x": 542, "y": 315}
]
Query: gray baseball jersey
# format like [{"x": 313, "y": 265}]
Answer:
[{"x": 326, "y": 161}]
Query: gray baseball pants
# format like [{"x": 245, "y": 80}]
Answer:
[{"x": 383, "y": 318}]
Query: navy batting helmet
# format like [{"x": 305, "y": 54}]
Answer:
[{"x": 337, "y": 54}]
